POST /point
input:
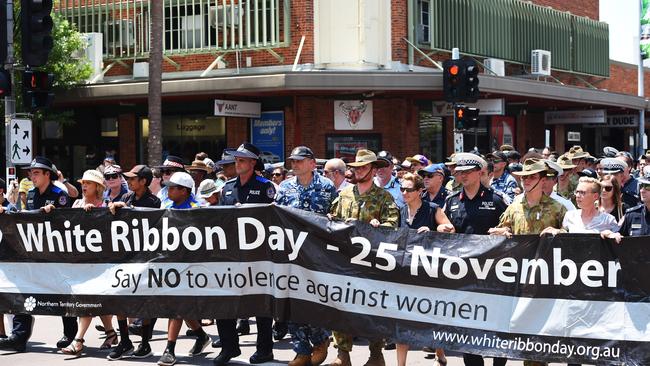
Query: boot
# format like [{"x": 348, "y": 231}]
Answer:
[
  {"x": 319, "y": 353},
  {"x": 301, "y": 360},
  {"x": 376, "y": 358},
  {"x": 342, "y": 359}
]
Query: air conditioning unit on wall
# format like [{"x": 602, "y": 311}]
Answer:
[
  {"x": 494, "y": 66},
  {"x": 540, "y": 63}
]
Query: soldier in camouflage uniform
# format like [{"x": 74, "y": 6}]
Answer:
[
  {"x": 564, "y": 186},
  {"x": 366, "y": 202},
  {"x": 533, "y": 213},
  {"x": 307, "y": 191}
]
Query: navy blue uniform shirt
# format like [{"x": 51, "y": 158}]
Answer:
[
  {"x": 52, "y": 195},
  {"x": 477, "y": 215},
  {"x": 256, "y": 190}
]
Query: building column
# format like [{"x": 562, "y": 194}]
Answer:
[{"x": 126, "y": 126}]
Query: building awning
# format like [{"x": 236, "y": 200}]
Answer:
[{"x": 344, "y": 81}]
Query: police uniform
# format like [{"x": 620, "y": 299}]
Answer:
[
  {"x": 53, "y": 195},
  {"x": 636, "y": 222},
  {"x": 476, "y": 215},
  {"x": 256, "y": 190}
]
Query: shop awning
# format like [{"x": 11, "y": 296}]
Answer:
[{"x": 344, "y": 81}]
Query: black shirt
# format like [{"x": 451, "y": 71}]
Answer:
[
  {"x": 52, "y": 195},
  {"x": 256, "y": 190},
  {"x": 477, "y": 215},
  {"x": 148, "y": 199},
  {"x": 636, "y": 222},
  {"x": 426, "y": 216},
  {"x": 439, "y": 199}
]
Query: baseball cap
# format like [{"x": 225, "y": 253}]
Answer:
[
  {"x": 497, "y": 155},
  {"x": 417, "y": 158},
  {"x": 180, "y": 179},
  {"x": 140, "y": 171},
  {"x": 588, "y": 172},
  {"x": 301, "y": 153},
  {"x": 385, "y": 155},
  {"x": 434, "y": 168}
]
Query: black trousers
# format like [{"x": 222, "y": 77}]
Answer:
[
  {"x": 227, "y": 329},
  {"x": 476, "y": 360},
  {"x": 22, "y": 327},
  {"x": 70, "y": 326}
]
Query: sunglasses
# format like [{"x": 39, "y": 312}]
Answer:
[
  {"x": 608, "y": 188},
  {"x": 111, "y": 176},
  {"x": 276, "y": 174},
  {"x": 429, "y": 175},
  {"x": 409, "y": 190}
]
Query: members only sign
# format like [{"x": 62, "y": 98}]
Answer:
[{"x": 571, "y": 298}]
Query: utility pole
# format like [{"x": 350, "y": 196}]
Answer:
[{"x": 10, "y": 100}]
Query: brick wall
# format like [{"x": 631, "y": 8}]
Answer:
[
  {"x": 584, "y": 8},
  {"x": 395, "y": 119}
]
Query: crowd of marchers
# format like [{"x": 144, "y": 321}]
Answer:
[{"x": 500, "y": 193}]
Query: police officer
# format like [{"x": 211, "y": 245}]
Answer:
[
  {"x": 45, "y": 196},
  {"x": 636, "y": 221},
  {"x": 307, "y": 191},
  {"x": 246, "y": 187},
  {"x": 474, "y": 210}
]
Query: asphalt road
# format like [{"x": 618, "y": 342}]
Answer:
[{"x": 47, "y": 330}]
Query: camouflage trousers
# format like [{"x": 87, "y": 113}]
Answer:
[
  {"x": 304, "y": 336},
  {"x": 344, "y": 342}
]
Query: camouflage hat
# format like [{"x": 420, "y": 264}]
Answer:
[
  {"x": 565, "y": 162},
  {"x": 365, "y": 157},
  {"x": 532, "y": 166}
]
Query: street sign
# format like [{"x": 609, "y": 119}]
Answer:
[{"x": 20, "y": 146}]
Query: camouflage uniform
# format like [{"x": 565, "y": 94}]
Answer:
[
  {"x": 317, "y": 197},
  {"x": 505, "y": 184},
  {"x": 378, "y": 204},
  {"x": 522, "y": 219}
]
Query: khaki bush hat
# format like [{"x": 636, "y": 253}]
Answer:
[
  {"x": 365, "y": 157},
  {"x": 565, "y": 162},
  {"x": 532, "y": 166},
  {"x": 576, "y": 152}
]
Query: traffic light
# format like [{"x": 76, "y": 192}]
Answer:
[
  {"x": 37, "y": 89},
  {"x": 36, "y": 28},
  {"x": 471, "y": 81},
  {"x": 453, "y": 80},
  {"x": 5, "y": 83},
  {"x": 465, "y": 117}
]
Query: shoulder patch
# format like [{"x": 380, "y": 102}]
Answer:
[
  {"x": 270, "y": 192},
  {"x": 63, "y": 200}
]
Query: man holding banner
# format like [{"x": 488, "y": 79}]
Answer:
[
  {"x": 363, "y": 201},
  {"x": 307, "y": 191},
  {"x": 246, "y": 187},
  {"x": 45, "y": 196}
]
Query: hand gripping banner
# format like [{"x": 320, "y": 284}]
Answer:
[{"x": 569, "y": 298}]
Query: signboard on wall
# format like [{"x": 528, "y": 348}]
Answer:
[
  {"x": 267, "y": 133},
  {"x": 594, "y": 116},
  {"x": 618, "y": 121},
  {"x": 487, "y": 107},
  {"x": 232, "y": 108},
  {"x": 353, "y": 115}
]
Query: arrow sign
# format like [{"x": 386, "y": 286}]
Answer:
[{"x": 20, "y": 148}]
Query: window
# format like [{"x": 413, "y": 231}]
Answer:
[
  {"x": 431, "y": 133},
  {"x": 424, "y": 22}
]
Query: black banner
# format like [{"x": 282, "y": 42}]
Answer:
[{"x": 574, "y": 298}]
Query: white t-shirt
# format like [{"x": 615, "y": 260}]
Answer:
[{"x": 603, "y": 221}]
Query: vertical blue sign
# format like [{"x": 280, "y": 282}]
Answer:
[{"x": 267, "y": 133}]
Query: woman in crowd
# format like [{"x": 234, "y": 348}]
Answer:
[
  {"x": 587, "y": 218},
  {"x": 92, "y": 184},
  {"x": 422, "y": 216},
  {"x": 116, "y": 184},
  {"x": 611, "y": 197}
]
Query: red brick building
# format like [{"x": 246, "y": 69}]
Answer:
[{"x": 381, "y": 52}]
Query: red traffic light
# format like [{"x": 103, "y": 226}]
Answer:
[
  {"x": 453, "y": 70},
  {"x": 460, "y": 112}
]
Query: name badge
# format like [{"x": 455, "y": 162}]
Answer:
[
  {"x": 636, "y": 226},
  {"x": 228, "y": 193}
]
